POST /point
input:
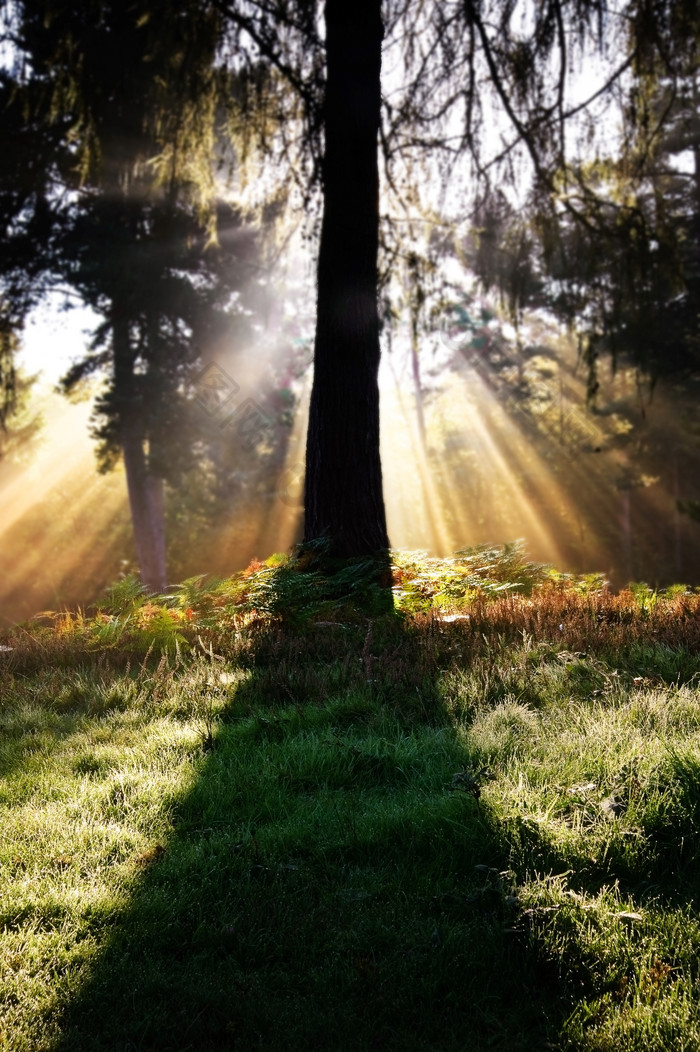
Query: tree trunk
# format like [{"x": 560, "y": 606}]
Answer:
[
  {"x": 145, "y": 490},
  {"x": 343, "y": 491}
]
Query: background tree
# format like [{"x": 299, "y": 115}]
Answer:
[
  {"x": 129, "y": 102},
  {"x": 612, "y": 248},
  {"x": 27, "y": 152}
]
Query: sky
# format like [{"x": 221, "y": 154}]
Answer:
[{"x": 53, "y": 339}]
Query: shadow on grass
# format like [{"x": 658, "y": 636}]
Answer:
[{"x": 324, "y": 886}]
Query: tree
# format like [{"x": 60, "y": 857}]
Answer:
[
  {"x": 129, "y": 107},
  {"x": 614, "y": 252},
  {"x": 343, "y": 494},
  {"x": 468, "y": 69},
  {"x": 164, "y": 300},
  {"x": 27, "y": 147},
  {"x": 485, "y": 95}
]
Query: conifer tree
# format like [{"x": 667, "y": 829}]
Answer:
[{"x": 128, "y": 102}]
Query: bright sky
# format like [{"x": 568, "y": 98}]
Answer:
[{"x": 53, "y": 339}]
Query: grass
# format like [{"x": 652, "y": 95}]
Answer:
[{"x": 229, "y": 831}]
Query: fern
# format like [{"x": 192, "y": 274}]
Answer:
[{"x": 123, "y": 596}]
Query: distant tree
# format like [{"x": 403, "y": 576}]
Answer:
[
  {"x": 614, "y": 252},
  {"x": 129, "y": 103},
  {"x": 27, "y": 151}
]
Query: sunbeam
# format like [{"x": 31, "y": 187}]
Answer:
[
  {"x": 63, "y": 526},
  {"x": 510, "y": 452}
]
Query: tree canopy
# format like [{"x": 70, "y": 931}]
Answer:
[{"x": 544, "y": 131}]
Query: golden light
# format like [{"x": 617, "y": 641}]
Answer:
[
  {"x": 59, "y": 519},
  {"x": 510, "y": 451}
]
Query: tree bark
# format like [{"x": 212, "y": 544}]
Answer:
[
  {"x": 343, "y": 490},
  {"x": 145, "y": 490}
]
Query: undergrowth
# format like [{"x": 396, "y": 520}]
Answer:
[{"x": 496, "y": 589}]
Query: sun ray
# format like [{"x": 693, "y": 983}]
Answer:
[
  {"x": 492, "y": 469},
  {"x": 58, "y": 518},
  {"x": 413, "y": 505}
]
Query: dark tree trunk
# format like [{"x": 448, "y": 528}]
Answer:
[
  {"x": 145, "y": 490},
  {"x": 343, "y": 493}
]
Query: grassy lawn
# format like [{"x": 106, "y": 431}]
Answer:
[{"x": 472, "y": 826}]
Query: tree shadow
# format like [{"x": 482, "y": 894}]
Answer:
[{"x": 332, "y": 879}]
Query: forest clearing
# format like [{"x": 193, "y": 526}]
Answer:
[{"x": 363, "y": 285}]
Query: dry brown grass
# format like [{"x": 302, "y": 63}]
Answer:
[{"x": 603, "y": 620}]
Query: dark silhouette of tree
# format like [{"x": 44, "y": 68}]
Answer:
[{"x": 343, "y": 497}]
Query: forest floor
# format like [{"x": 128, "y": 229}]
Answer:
[{"x": 467, "y": 827}]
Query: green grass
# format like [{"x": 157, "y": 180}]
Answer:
[{"x": 354, "y": 833}]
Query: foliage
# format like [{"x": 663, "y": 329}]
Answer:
[
  {"x": 491, "y": 591},
  {"x": 620, "y": 268},
  {"x": 123, "y": 596},
  {"x": 27, "y": 149},
  {"x": 484, "y": 571},
  {"x": 23, "y": 421}
]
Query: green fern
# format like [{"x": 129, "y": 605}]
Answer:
[{"x": 123, "y": 596}]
